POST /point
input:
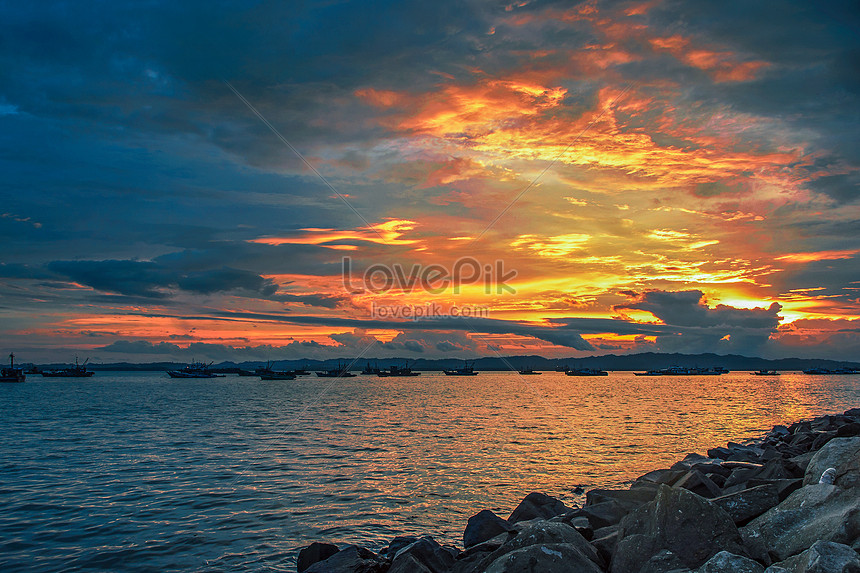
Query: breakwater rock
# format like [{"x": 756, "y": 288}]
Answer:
[{"x": 788, "y": 502}]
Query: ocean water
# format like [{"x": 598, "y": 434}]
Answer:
[{"x": 139, "y": 472}]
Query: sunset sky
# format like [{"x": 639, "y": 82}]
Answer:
[{"x": 184, "y": 179}]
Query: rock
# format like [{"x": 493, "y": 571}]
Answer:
[
  {"x": 633, "y": 552},
  {"x": 837, "y": 453},
  {"x": 604, "y": 514},
  {"x": 852, "y": 413},
  {"x": 852, "y": 429},
  {"x": 776, "y": 569},
  {"x": 546, "y": 532},
  {"x": 699, "y": 483},
  {"x": 677, "y": 520},
  {"x": 725, "y": 562},
  {"x": 399, "y": 543},
  {"x": 821, "y": 439},
  {"x": 425, "y": 552},
  {"x": 409, "y": 564},
  {"x": 482, "y": 526},
  {"x": 812, "y": 513},
  {"x": 719, "y": 453},
  {"x": 780, "y": 431},
  {"x": 749, "y": 503},
  {"x": 544, "y": 558},
  {"x": 691, "y": 460},
  {"x": 822, "y": 557},
  {"x": 629, "y": 499},
  {"x": 469, "y": 560},
  {"x": 352, "y": 559},
  {"x": 784, "y": 487},
  {"x": 662, "y": 562},
  {"x": 666, "y": 476},
  {"x": 314, "y": 553},
  {"x": 605, "y": 540},
  {"x": 537, "y": 505}
]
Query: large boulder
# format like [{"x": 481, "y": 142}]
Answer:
[
  {"x": 544, "y": 558},
  {"x": 423, "y": 555},
  {"x": 482, "y": 526},
  {"x": 748, "y": 503},
  {"x": 814, "y": 512},
  {"x": 352, "y": 559},
  {"x": 822, "y": 557},
  {"x": 725, "y": 562},
  {"x": 840, "y": 453},
  {"x": 547, "y": 533},
  {"x": 537, "y": 505},
  {"x": 314, "y": 553},
  {"x": 678, "y": 520}
]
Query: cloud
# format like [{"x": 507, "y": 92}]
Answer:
[
  {"x": 153, "y": 280},
  {"x": 700, "y": 328}
]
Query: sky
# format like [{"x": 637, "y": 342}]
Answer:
[{"x": 283, "y": 180}]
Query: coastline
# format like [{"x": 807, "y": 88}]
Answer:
[{"x": 786, "y": 501}]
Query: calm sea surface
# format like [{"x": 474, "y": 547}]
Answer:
[{"x": 138, "y": 472}]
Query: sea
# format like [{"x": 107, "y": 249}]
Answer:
[{"x": 140, "y": 472}]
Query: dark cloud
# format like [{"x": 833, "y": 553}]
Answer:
[
  {"x": 149, "y": 279},
  {"x": 701, "y": 328}
]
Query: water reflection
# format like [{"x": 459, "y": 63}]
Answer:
[{"x": 139, "y": 472}]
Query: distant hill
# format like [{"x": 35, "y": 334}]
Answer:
[{"x": 642, "y": 361}]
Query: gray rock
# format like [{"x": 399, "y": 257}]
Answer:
[
  {"x": 632, "y": 553},
  {"x": 482, "y": 526},
  {"x": 699, "y": 483},
  {"x": 352, "y": 559},
  {"x": 537, "y": 505},
  {"x": 314, "y": 553},
  {"x": 725, "y": 562},
  {"x": 544, "y": 558},
  {"x": 399, "y": 543},
  {"x": 426, "y": 552},
  {"x": 823, "y": 557},
  {"x": 605, "y": 540},
  {"x": 776, "y": 569},
  {"x": 546, "y": 532},
  {"x": 680, "y": 521},
  {"x": 629, "y": 499},
  {"x": 409, "y": 564},
  {"x": 749, "y": 503},
  {"x": 604, "y": 514},
  {"x": 662, "y": 562},
  {"x": 812, "y": 513},
  {"x": 837, "y": 453},
  {"x": 665, "y": 476}
]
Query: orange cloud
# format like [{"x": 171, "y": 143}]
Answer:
[{"x": 817, "y": 256}]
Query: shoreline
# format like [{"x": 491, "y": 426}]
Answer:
[{"x": 741, "y": 507}]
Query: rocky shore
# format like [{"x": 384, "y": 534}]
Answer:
[{"x": 788, "y": 502}]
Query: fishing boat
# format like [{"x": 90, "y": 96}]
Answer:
[
  {"x": 829, "y": 371},
  {"x": 529, "y": 372},
  {"x": 586, "y": 372},
  {"x": 466, "y": 370},
  {"x": 766, "y": 373},
  {"x": 12, "y": 374},
  {"x": 342, "y": 371},
  {"x": 371, "y": 370},
  {"x": 76, "y": 371},
  {"x": 276, "y": 375},
  {"x": 398, "y": 371},
  {"x": 684, "y": 371},
  {"x": 195, "y": 370}
]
